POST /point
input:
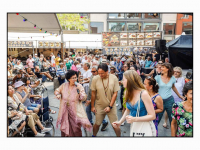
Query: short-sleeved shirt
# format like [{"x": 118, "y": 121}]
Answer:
[
  {"x": 184, "y": 120},
  {"x": 148, "y": 63},
  {"x": 30, "y": 62},
  {"x": 180, "y": 82},
  {"x": 86, "y": 74},
  {"x": 53, "y": 59},
  {"x": 101, "y": 99},
  {"x": 57, "y": 59},
  {"x": 165, "y": 90},
  {"x": 38, "y": 74}
]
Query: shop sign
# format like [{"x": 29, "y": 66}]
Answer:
[
  {"x": 20, "y": 44},
  {"x": 47, "y": 44},
  {"x": 117, "y": 39}
]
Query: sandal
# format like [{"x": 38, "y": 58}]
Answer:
[
  {"x": 165, "y": 126},
  {"x": 53, "y": 112}
]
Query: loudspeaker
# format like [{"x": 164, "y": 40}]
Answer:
[{"x": 160, "y": 46}]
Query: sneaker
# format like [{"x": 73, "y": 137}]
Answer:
[
  {"x": 123, "y": 123},
  {"x": 46, "y": 130},
  {"x": 117, "y": 104},
  {"x": 39, "y": 134},
  {"x": 104, "y": 126}
]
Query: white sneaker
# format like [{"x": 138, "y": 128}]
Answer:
[
  {"x": 39, "y": 134},
  {"x": 117, "y": 104},
  {"x": 46, "y": 130},
  {"x": 123, "y": 123}
]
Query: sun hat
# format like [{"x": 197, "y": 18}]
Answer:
[{"x": 18, "y": 84}]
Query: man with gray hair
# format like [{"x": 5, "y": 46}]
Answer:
[
  {"x": 154, "y": 63},
  {"x": 88, "y": 102}
]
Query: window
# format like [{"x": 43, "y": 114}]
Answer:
[
  {"x": 96, "y": 27},
  {"x": 169, "y": 28},
  {"x": 187, "y": 27},
  {"x": 168, "y": 38},
  {"x": 152, "y": 16},
  {"x": 133, "y": 26},
  {"x": 151, "y": 26},
  {"x": 114, "y": 16},
  {"x": 135, "y": 16},
  {"x": 116, "y": 26}
]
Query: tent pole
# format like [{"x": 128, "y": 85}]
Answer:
[{"x": 62, "y": 49}]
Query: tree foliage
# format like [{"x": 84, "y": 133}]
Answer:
[{"x": 76, "y": 21}]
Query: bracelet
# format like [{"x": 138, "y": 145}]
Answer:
[{"x": 110, "y": 107}]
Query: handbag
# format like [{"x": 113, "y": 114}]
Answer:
[
  {"x": 142, "y": 129},
  {"x": 62, "y": 76}
]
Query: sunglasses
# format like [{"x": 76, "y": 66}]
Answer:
[
  {"x": 93, "y": 71},
  {"x": 112, "y": 69},
  {"x": 160, "y": 63}
]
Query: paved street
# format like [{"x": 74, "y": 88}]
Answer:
[{"x": 54, "y": 103}]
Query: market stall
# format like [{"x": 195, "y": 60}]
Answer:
[
  {"x": 181, "y": 51},
  {"x": 128, "y": 43}
]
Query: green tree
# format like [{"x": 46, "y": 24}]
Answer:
[{"x": 76, "y": 21}]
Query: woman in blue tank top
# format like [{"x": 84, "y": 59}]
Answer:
[{"x": 135, "y": 90}]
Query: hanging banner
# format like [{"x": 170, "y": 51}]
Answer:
[
  {"x": 49, "y": 44},
  {"x": 20, "y": 44},
  {"x": 121, "y": 39},
  {"x": 128, "y": 50}
]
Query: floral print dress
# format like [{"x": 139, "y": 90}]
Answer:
[
  {"x": 184, "y": 120},
  {"x": 155, "y": 107}
]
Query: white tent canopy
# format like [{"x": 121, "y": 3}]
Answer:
[
  {"x": 48, "y": 22},
  {"x": 91, "y": 41}
]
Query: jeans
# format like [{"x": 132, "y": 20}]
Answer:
[
  {"x": 61, "y": 81},
  {"x": 32, "y": 107},
  {"x": 89, "y": 114},
  {"x": 167, "y": 105},
  {"x": 44, "y": 78}
]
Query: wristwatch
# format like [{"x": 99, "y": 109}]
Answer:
[{"x": 110, "y": 107}]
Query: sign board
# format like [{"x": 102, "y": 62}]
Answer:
[
  {"x": 20, "y": 44},
  {"x": 127, "y": 51},
  {"x": 47, "y": 44},
  {"x": 123, "y": 39}
]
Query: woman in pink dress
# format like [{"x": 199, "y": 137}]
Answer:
[{"x": 71, "y": 114}]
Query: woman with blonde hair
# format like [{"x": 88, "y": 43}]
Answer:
[{"x": 135, "y": 92}]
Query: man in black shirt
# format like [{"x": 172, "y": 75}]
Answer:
[{"x": 42, "y": 75}]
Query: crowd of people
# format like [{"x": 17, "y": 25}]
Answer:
[{"x": 102, "y": 84}]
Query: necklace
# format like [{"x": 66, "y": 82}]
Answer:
[{"x": 105, "y": 88}]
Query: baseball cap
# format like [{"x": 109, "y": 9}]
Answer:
[
  {"x": 18, "y": 84},
  {"x": 35, "y": 54}
]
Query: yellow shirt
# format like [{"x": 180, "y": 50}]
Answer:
[{"x": 57, "y": 59}]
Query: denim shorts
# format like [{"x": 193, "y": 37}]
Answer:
[{"x": 32, "y": 107}]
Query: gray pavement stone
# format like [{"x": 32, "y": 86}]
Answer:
[{"x": 125, "y": 130}]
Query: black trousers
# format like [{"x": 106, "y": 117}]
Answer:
[{"x": 121, "y": 95}]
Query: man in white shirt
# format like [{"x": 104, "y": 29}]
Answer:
[
  {"x": 140, "y": 60},
  {"x": 52, "y": 59},
  {"x": 84, "y": 60}
]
